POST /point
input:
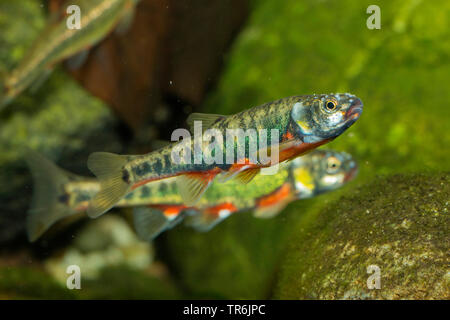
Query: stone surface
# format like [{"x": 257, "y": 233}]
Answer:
[{"x": 399, "y": 224}]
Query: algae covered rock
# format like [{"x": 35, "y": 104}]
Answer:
[{"x": 398, "y": 225}]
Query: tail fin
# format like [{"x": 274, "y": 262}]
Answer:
[
  {"x": 48, "y": 190},
  {"x": 108, "y": 167}
]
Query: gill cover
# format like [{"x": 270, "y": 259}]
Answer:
[{"x": 302, "y": 117}]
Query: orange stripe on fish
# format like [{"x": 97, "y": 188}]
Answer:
[
  {"x": 299, "y": 149},
  {"x": 278, "y": 195},
  {"x": 288, "y": 136},
  {"x": 272, "y": 204},
  {"x": 170, "y": 211}
]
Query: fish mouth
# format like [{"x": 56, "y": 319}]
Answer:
[
  {"x": 352, "y": 173},
  {"x": 355, "y": 110}
]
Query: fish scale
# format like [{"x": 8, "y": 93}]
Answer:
[
  {"x": 58, "y": 194},
  {"x": 305, "y": 122}
]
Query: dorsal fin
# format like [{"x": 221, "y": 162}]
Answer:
[{"x": 207, "y": 120}]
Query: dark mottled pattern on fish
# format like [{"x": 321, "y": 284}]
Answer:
[
  {"x": 303, "y": 123},
  {"x": 272, "y": 115},
  {"x": 303, "y": 173}
]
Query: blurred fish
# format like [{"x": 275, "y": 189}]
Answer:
[
  {"x": 57, "y": 42},
  {"x": 159, "y": 206},
  {"x": 304, "y": 123}
]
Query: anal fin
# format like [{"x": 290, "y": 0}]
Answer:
[
  {"x": 208, "y": 218},
  {"x": 150, "y": 222}
]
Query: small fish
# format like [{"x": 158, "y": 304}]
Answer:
[
  {"x": 158, "y": 206},
  {"x": 303, "y": 123},
  {"x": 57, "y": 42}
]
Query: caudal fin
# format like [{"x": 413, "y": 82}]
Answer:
[
  {"x": 47, "y": 205},
  {"x": 108, "y": 167}
]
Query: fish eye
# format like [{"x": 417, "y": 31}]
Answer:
[
  {"x": 333, "y": 164},
  {"x": 330, "y": 105}
]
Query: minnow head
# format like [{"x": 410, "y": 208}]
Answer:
[
  {"x": 321, "y": 171},
  {"x": 326, "y": 116}
]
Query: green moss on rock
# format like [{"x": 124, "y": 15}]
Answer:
[
  {"x": 122, "y": 282},
  {"x": 399, "y": 224},
  {"x": 30, "y": 283}
]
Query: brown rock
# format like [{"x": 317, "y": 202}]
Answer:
[{"x": 169, "y": 57}]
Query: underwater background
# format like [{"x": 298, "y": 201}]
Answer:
[{"x": 224, "y": 56}]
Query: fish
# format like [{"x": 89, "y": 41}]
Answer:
[
  {"x": 303, "y": 122},
  {"x": 57, "y": 42},
  {"x": 158, "y": 206}
]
